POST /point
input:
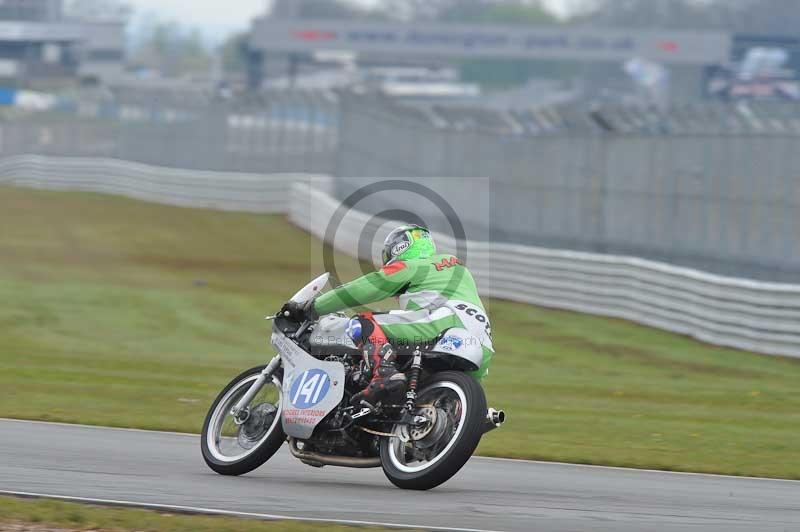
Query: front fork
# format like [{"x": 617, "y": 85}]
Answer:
[{"x": 240, "y": 411}]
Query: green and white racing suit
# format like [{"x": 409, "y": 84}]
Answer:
[{"x": 436, "y": 293}]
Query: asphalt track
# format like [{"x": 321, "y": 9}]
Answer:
[{"x": 155, "y": 468}]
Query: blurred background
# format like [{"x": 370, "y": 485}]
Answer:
[
  {"x": 634, "y": 159},
  {"x": 664, "y": 129}
]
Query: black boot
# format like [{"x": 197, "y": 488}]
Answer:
[{"x": 387, "y": 382}]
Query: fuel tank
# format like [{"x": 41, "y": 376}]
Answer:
[{"x": 330, "y": 336}]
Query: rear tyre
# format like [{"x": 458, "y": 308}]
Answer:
[
  {"x": 423, "y": 458},
  {"x": 231, "y": 448}
]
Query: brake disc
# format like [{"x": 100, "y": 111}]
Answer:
[
  {"x": 427, "y": 434},
  {"x": 256, "y": 426},
  {"x": 418, "y": 432}
]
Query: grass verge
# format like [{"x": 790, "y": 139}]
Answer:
[
  {"x": 45, "y": 514},
  {"x": 124, "y": 313}
]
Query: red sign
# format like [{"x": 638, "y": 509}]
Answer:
[
  {"x": 314, "y": 35},
  {"x": 668, "y": 46}
]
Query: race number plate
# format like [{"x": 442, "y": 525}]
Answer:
[{"x": 311, "y": 388}]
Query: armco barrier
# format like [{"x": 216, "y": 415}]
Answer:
[
  {"x": 228, "y": 191},
  {"x": 757, "y": 316},
  {"x": 753, "y": 315}
]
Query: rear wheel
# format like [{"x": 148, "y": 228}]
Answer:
[
  {"x": 423, "y": 457},
  {"x": 237, "y": 446}
]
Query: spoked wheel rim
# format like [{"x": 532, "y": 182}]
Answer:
[
  {"x": 449, "y": 402},
  {"x": 229, "y": 441}
]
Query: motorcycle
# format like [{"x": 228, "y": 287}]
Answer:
[{"x": 303, "y": 396}]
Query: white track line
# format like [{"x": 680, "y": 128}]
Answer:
[
  {"x": 486, "y": 458},
  {"x": 97, "y": 427},
  {"x": 215, "y": 511},
  {"x": 636, "y": 469}
]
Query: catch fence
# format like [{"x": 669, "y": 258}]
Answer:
[
  {"x": 714, "y": 186},
  {"x": 722, "y": 200},
  {"x": 271, "y": 132}
]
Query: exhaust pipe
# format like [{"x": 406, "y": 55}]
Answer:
[
  {"x": 319, "y": 460},
  {"x": 494, "y": 418}
]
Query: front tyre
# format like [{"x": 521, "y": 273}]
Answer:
[
  {"x": 236, "y": 447},
  {"x": 423, "y": 457}
]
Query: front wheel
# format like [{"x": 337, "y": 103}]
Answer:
[
  {"x": 237, "y": 446},
  {"x": 425, "y": 456}
]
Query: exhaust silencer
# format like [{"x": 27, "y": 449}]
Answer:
[{"x": 494, "y": 418}]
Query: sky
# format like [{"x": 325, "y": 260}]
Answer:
[{"x": 216, "y": 19}]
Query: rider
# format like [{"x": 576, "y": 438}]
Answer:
[{"x": 436, "y": 293}]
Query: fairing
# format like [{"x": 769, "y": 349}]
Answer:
[
  {"x": 460, "y": 343},
  {"x": 311, "y": 388}
]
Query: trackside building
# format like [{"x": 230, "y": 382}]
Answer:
[{"x": 39, "y": 46}]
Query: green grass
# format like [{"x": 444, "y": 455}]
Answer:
[
  {"x": 123, "y": 313},
  {"x": 74, "y": 516}
]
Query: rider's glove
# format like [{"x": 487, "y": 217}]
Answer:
[{"x": 299, "y": 311}]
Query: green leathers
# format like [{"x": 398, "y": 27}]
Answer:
[{"x": 435, "y": 293}]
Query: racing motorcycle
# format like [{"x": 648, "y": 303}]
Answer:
[{"x": 303, "y": 396}]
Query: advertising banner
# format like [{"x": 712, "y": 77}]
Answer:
[{"x": 465, "y": 40}]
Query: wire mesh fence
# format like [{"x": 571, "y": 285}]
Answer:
[
  {"x": 716, "y": 189},
  {"x": 270, "y": 132},
  {"x": 712, "y": 186}
]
